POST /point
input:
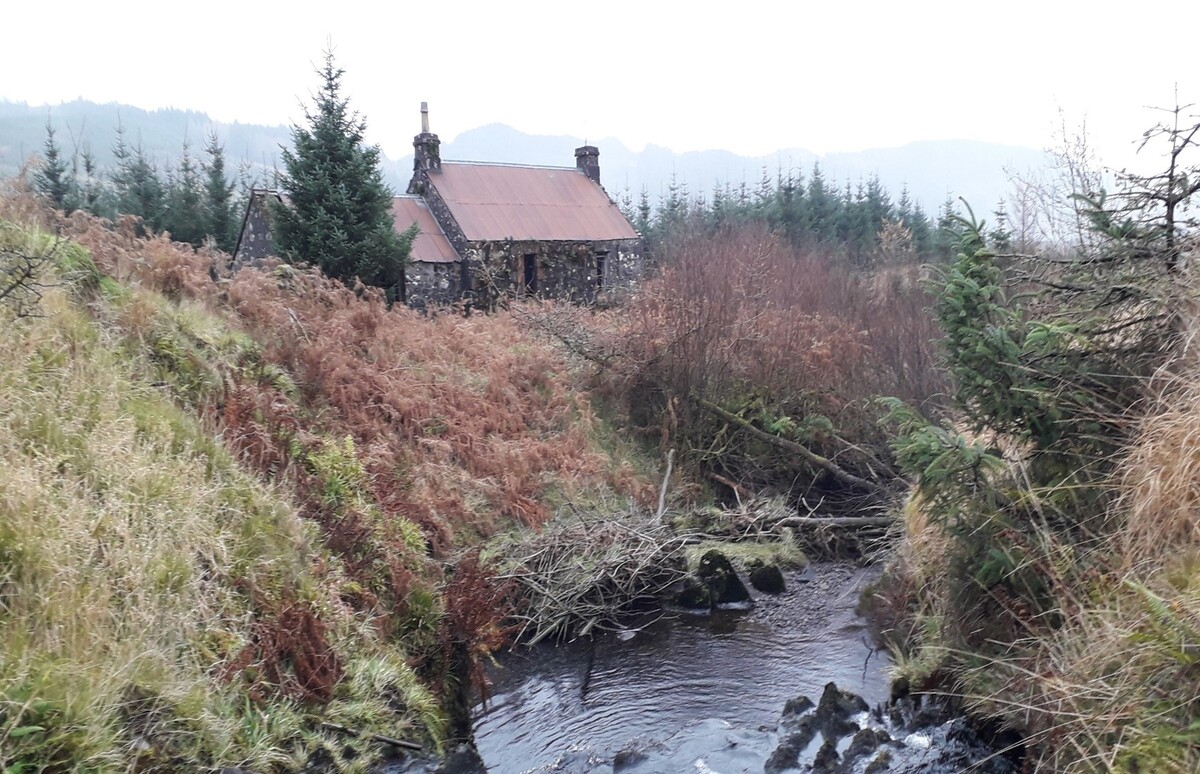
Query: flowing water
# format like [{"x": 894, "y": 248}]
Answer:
[{"x": 685, "y": 692}]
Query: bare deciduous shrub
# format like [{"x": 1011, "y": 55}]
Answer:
[{"x": 793, "y": 342}]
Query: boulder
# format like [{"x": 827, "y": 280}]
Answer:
[
  {"x": 866, "y": 742},
  {"x": 797, "y": 706},
  {"x": 627, "y": 759},
  {"x": 786, "y": 756},
  {"x": 716, "y": 572},
  {"x": 826, "y": 760},
  {"x": 880, "y": 763},
  {"x": 767, "y": 578},
  {"x": 694, "y": 595},
  {"x": 835, "y": 710}
]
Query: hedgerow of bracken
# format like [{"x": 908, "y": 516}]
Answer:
[{"x": 463, "y": 423}]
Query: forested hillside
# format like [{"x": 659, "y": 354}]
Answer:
[{"x": 977, "y": 171}]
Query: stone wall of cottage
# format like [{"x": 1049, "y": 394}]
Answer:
[
  {"x": 422, "y": 186},
  {"x": 432, "y": 284},
  {"x": 579, "y": 271},
  {"x": 255, "y": 242}
]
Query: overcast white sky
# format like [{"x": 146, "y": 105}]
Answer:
[{"x": 747, "y": 76}]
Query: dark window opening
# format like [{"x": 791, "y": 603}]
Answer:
[
  {"x": 530, "y": 273},
  {"x": 601, "y": 265}
]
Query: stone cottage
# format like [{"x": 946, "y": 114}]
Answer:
[{"x": 492, "y": 229}]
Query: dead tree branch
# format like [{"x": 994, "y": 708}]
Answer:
[
  {"x": 804, "y": 452},
  {"x": 662, "y": 493},
  {"x": 22, "y": 267}
]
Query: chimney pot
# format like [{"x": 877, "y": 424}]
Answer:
[
  {"x": 587, "y": 159},
  {"x": 427, "y": 153}
]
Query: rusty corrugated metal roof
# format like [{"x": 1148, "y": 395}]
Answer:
[
  {"x": 431, "y": 245},
  {"x": 498, "y": 201}
]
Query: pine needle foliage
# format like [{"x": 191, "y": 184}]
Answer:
[
  {"x": 338, "y": 211},
  {"x": 1049, "y": 570}
]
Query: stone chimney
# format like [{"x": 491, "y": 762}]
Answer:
[
  {"x": 587, "y": 159},
  {"x": 427, "y": 153}
]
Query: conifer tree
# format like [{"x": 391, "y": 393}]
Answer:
[
  {"x": 643, "y": 219},
  {"x": 947, "y": 236},
  {"x": 338, "y": 214},
  {"x": 922, "y": 232},
  {"x": 185, "y": 217},
  {"x": 218, "y": 195},
  {"x": 139, "y": 191},
  {"x": 52, "y": 178},
  {"x": 791, "y": 205},
  {"x": 822, "y": 206},
  {"x": 90, "y": 192}
]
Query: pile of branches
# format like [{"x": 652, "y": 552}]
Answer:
[
  {"x": 581, "y": 572},
  {"x": 763, "y": 519}
]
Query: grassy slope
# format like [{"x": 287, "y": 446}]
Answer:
[{"x": 232, "y": 511}]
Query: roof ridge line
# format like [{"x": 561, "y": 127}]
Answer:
[{"x": 509, "y": 164}]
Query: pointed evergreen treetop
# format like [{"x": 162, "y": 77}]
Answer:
[
  {"x": 218, "y": 194},
  {"x": 52, "y": 179},
  {"x": 338, "y": 211}
]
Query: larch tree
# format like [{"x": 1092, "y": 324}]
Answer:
[{"x": 337, "y": 213}]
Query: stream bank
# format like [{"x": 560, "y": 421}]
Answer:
[{"x": 789, "y": 685}]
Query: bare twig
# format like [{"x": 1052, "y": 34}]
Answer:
[
  {"x": 21, "y": 271},
  {"x": 662, "y": 493}
]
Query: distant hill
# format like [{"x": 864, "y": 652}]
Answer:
[
  {"x": 931, "y": 170},
  {"x": 977, "y": 171}
]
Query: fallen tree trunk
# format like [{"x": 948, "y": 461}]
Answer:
[{"x": 839, "y": 473}]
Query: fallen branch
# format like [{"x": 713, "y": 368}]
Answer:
[
  {"x": 737, "y": 489},
  {"x": 835, "y": 521},
  {"x": 373, "y": 737},
  {"x": 807, "y": 454}
]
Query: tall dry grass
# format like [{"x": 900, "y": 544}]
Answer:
[
  {"x": 223, "y": 497},
  {"x": 133, "y": 555},
  {"x": 1106, "y": 678},
  {"x": 1119, "y": 681},
  {"x": 463, "y": 423},
  {"x": 243, "y": 480}
]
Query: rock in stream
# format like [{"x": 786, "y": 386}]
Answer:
[{"x": 840, "y": 736}]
